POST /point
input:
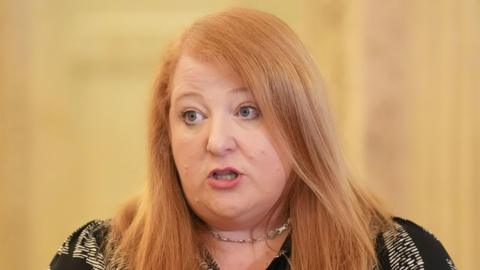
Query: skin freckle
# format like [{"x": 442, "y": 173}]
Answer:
[{"x": 250, "y": 155}]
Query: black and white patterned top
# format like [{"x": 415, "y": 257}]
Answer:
[{"x": 412, "y": 247}]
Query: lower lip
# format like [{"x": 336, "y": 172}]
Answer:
[{"x": 224, "y": 184}]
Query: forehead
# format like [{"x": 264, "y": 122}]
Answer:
[
  {"x": 192, "y": 75},
  {"x": 193, "y": 70}
]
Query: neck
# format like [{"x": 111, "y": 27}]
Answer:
[
  {"x": 256, "y": 255},
  {"x": 264, "y": 232},
  {"x": 250, "y": 233},
  {"x": 271, "y": 234}
]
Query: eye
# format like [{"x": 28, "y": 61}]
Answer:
[
  {"x": 248, "y": 112},
  {"x": 192, "y": 117}
]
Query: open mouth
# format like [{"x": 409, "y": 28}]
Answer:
[
  {"x": 225, "y": 174},
  {"x": 224, "y": 179},
  {"x": 228, "y": 175}
]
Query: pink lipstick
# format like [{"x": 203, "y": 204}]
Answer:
[{"x": 225, "y": 178}]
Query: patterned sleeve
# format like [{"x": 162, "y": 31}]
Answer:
[
  {"x": 411, "y": 247},
  {"x": 82, "y": 249}
]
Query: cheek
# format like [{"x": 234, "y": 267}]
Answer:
[
  {"x": 188, "y": 155},
  {"x": 267, "y": 160}
]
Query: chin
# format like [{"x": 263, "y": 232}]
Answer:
[
  {"x": 225, "y": 214},
  {"x": 229, "y": 210}
]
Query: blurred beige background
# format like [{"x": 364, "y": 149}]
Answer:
[{"x": 403, "y": 79}]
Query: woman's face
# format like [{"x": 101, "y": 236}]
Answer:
[{"x": 229, "y": 169}]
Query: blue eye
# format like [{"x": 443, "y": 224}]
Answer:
[
  {"x": 192, "y": 117},
  {"x": 248, "y": 112}
]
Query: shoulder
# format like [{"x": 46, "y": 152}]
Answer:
[
  {"x": 409, "y": 246},
  {"x": 83, "y": 248}
]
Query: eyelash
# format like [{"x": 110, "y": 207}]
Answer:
[{"x": 183, "y": 114}]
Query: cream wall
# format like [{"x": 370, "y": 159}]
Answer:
[{"x": 75, "y": 77}]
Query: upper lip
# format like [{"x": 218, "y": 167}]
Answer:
[{"x": 220, "y": 170}]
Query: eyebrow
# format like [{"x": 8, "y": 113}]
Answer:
[{"x": 191, "y": 93}]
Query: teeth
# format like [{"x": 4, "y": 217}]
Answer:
[{"x": 225, "y": 176}]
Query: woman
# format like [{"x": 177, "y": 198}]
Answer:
[{"x": 245, "y": 169}]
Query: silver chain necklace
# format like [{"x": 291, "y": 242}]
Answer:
[{"x": 269, "y": 235}]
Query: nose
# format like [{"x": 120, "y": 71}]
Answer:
[{"x": 221, "y": 140}]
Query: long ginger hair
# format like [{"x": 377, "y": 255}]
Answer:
[{"x": 334, "y": 222}]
